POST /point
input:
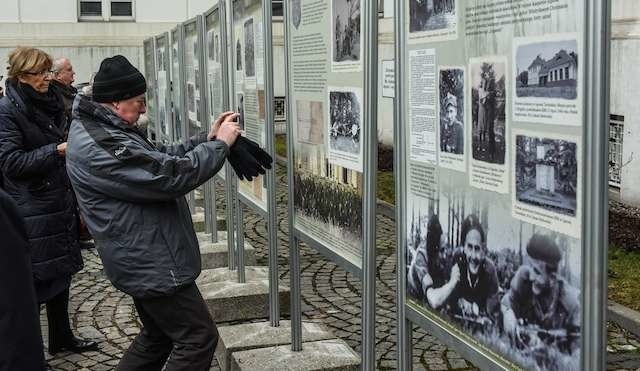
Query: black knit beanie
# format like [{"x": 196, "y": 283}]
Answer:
[{"x": 116, "y": 80}]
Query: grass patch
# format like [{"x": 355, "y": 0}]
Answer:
[
  {"x": 624, "y": 277},
  {"x": 386, "y": 186},
  {"x": 281, "y": 145}
]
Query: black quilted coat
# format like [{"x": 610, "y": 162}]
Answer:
[{"x": 35, "y": 176}]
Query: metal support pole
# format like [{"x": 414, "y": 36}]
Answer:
[
  {"x": 595, "y": 222},
  {"x": 240, "y": 237},
  {"x": 404, "y": 331},
  {"x": 214, "y": 211},
  {"x": 370, "y": 116},
  {"x": 272, "y": 212},
  {"x": 294, "y": 251},
  {"x": 230, "y": 191},
  {"x": 207, "y": 206}
]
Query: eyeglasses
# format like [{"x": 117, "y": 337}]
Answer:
[{"x": 41, "y": 73}]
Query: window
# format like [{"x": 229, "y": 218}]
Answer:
[
  {"x": 105, "y": 10},
  {"x": 566, "y": 73},
  {"x": 561, "y": 74},
  {"x": 277, "y": 9},
  {"x": 616, "y": 136}
]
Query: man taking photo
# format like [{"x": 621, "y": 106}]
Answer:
[{"x": 131, "y": 195}]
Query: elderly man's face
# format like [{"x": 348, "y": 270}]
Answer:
[
  {"x": 66, "y": 74},
  {"x": 131, "y": 109}
]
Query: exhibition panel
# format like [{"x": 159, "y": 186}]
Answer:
[
  {"x": 192, "y": 42},
  {"x": 150, "y": 76},
  {"x": 163, "y": 71},
  {"x": 177, "y": 98},
  {"x": 331, "y": 69},
  {"x": 496, "y": 131}
]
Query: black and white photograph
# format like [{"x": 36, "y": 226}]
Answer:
[
  {"x": 238, "y": 56},
  {"x": 429, "y": 16},
  {"x": 547, "y": 70},
  {"x": 249, "y": 49},
  {"x": 310, "y": 122},
  {"x": 330, "y": 211},
  {"x": 488, "y": 111},
  {"x": 345, "y": 122},
  {"x": 345, "y": 32},
  {"x": 191, "y": 98},
  {"x": 451, "y": 88},
  {"x": 511, "y": 286},
  {"x": 211, "y": 47},
  {"x": 296, "y": 13},
  {"x": 546, "y": 173},
  {"x": 240, "y": 110},
  {"x": 197, "y": 81},
  {"x": 216, "y": 48}
]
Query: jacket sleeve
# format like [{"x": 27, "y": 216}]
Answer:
[
  {"x": 181, "y": 149},
  {"x": 137, "y": 174},
  {"x": 17, "y": 162}
]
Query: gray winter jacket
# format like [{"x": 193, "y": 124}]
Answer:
[{"x": 131, "y": 195}]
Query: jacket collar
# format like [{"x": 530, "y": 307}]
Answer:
[
  {"x": 85, "y": 108},
  {"x": 68, "y": 92}
]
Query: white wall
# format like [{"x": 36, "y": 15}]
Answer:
[
  {"x": 10, "y": 11},
  {"x": 625, "y": 91},
  {"x": 160, "y": 11},
  {"x": 49, "y": 11}
]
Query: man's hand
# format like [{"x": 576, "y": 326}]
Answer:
[
  {"x": 62, "y": 149},
  {"x": 229, "y": 130},
  {"x": 213, "y": 133}
]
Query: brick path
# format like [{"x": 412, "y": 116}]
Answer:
[{"x": 330, "y": 296}]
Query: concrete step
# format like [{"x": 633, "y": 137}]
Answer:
[
  {"x": 249, "y": 336},
  {"x": 198, "y": 221},
  {"x": 216, "y": 255},
  {"x": 229, "y": 300},
  {"x": 316, "y": 355}
]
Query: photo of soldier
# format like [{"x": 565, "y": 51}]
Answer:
[
  {"x": 488, "y": 95},
  {"x": 238, "y": 56},
  {"x": 542, "y": 310},
  {"x": 512, "y": 286},
  {"x": 328, "y": 202},
  {"x": 451, "y": 89}
]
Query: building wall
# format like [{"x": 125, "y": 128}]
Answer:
[{"x": 625, "y": 91}]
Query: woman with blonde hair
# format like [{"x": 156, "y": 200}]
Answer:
[{"x": 32, "y": 162}]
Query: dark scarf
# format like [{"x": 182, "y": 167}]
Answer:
[
  {"x": 68, "y": 92},
  {"x": 48, "y": 103}
]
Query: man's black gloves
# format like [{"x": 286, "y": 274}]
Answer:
[{"x": 248, "y": 159}]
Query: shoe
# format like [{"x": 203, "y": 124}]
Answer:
[{"x": 76, "y": 345}]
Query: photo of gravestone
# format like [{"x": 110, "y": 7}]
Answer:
[{"x": 546, "y": 173}]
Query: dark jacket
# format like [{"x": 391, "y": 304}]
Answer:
[
  {"x": 19, "y": 318},
  {"x": 68, "y": 94},
  {"x": 35, "y": 176},
  {"x": 131, "y": 196}
]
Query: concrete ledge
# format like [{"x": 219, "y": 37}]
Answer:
[
  {"x": 261, "y": 335},
  {"x": 318, "y": 355},
  {"x": 216, "y": 255},
  {"x": 627, "y": 318},
  {"x": 198, "y": 222},
  {"x": 229, "y": 300}
]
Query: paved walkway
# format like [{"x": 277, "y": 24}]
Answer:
[{"x": 330, "y": 296}]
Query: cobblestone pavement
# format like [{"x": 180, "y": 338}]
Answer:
[{"x": 330, "y": 296}]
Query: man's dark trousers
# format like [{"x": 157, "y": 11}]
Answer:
[{"x": 178, "y": 327}]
